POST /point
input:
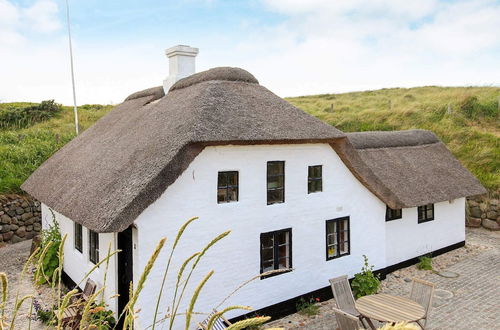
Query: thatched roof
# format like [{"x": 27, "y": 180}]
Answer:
[
  {"x": 108, "y": 175},
  {"x": 408, "y": 168}
]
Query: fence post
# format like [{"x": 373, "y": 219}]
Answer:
[
  {"x": 449, "y": 109},
  {"x": 331, "y": 107}
]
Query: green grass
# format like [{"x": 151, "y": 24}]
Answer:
[
  {"x": 22, "y": 150},
  {"x": 471, "y": 132}
]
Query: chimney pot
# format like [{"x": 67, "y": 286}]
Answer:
[{"x": 181, "y": 63}]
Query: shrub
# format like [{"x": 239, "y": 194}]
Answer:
[
  {"x": 307, "y": 307},
  {"x": 101, "y": 318},
  {"x": 365, "y": 282},
  {"x": 425, "y": 263},
  {"x": 46, "y": 316},
  {"x": 21, "y": 116},
  {"x": 50, "y": 260},
  {"x": 472, "y": 108}
]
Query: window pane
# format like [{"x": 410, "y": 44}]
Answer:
[
  {"x": 283, "y": 251},
  {"x": 331, "y": 227},
  {"x": 222, "y": 180},
  {"x": 267, "y": 241},
  {"x": 283, "y": 237},
  {"x": 430, "y": 213},
  {"x": 332, "y": 250},
  {"x": 268, "y": 254},
  {"x": 275, "y": 196},
  {"x": 267, "y": 266},
  {"x": 344, "y": 248},
  {"x": 275, "y": 168},
  {"x": 232, "y": 178},
  {"x": 221, "y": 195},
  {"x": 283, "y": 263},
  {"x": 232, "y": 194},
  {"x": 318, "y": 185},
  {"x": 275, "y": 182},
  {"x": 331, "y": 239}
]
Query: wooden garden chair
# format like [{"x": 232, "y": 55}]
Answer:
[
  {"x": 219, "y": 324},
  {"x": 72, "y": 314},
  {"x": 422, "y": 292},
  {"x": 344, "y": 299},
  {"x": 346, "y": 321}
]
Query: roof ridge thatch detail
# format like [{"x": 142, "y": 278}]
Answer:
[
  {"x": 221, "y": 73},
  {"x": 391, "y": 139},
  {"x": 155, "y": 92}
]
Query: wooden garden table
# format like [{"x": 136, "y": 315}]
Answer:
[{"x": 387, "y": 308}]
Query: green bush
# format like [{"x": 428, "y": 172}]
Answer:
[
  {"x": 425, "y": 263},
  {"x": 20, "y": 116},
  {"x": 307, "y": 307},
  {"x": 472, "y": 108},
  {"x": 101, "y": 318},
  {"x": 365, "y": 282},
  {"x": 51, "y": 258}
]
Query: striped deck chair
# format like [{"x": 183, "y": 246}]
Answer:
[{"x": 220, "y": 324}]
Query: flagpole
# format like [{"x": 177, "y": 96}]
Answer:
[{"x": 75, "y": 109}]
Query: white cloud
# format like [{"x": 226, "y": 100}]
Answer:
[
  {"x": 321, "y": 46},
  {"x": 42, "y": 16}
]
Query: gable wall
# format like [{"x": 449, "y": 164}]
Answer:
[{"x": 237, "y": 258}]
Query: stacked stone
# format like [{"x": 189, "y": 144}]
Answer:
[
  {"x": 20, "y": 219},
  {"x": 483, "y": 211}
]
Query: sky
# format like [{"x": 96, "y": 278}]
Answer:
[{"x": 293, "y": 47}]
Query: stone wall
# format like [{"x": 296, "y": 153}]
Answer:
[
  {"x": 20, "y": 219},
  {"x": 483, "y": 211}
]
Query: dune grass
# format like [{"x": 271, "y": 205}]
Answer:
[
  {"x": 22, "y": 150},
  {"x": 471, "y": 131}
]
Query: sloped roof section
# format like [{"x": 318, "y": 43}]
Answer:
[
  {"x": 105, "y": 177},
  {"x": 409, "y": 168}
]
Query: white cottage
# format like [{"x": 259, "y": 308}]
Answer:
[{"x": 295, "y": 192}]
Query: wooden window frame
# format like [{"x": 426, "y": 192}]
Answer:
[
  {"x": 389, "y": 214},
  {"x": 276, "y": 251},
  {"x": 314, "y": 179},
  {"x": 93, "y": 247},
  {"x": 275, "y": 176},
  {"x": 423, "y": 209},
  {"x": 337, "y": 254},
  {"x": 228, "y": 187},
  {"x": 78, "y": 237}
]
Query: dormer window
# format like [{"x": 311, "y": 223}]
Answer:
[{"x": 227, "y": 187}]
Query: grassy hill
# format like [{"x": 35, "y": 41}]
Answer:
[{"x": 471, "y": 130}]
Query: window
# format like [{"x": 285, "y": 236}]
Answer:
[
  {"x": 78, "y": 237},
  {"x": 425, "y": 213},
  {"x": 93, "y": 246},
  {"x": 392, "y": 214},
  {"x": 275, "y": 182},
  {"x": 276, "y": 250},
  {"x": 227, "y": 187},
  {"x": 315, "y": 179},
  {"x": 337, "y": 238}
]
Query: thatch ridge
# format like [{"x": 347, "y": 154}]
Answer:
[
  {"x": 385, "y": 139},
  {"x": 221, "y": 73},
  {"x": 155, "y": 92}
]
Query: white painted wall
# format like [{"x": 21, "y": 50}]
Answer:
[
  {"x": 406, "y": 238},
  {"x": 77, "y": 264},
  {"x": 237, "y": 258}
]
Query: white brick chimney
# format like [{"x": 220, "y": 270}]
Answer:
[{"x": 181, "y": 63}]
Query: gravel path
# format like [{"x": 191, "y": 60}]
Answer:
[
  {"x": 12, "y": 259},
  {"x": 475, "y": 294}
]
